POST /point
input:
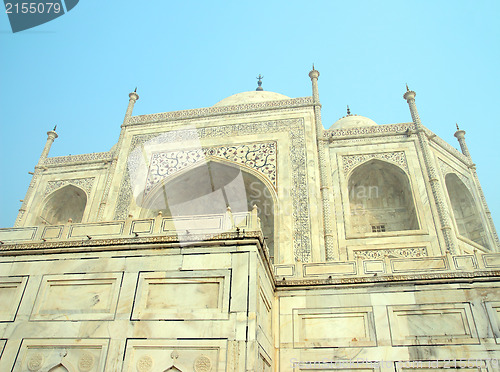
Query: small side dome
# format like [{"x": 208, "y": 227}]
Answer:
[
  {"x": 250, "y": 97},
  {"x": 353, "y": 121}
]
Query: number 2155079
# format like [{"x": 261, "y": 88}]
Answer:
[{"x": 33, "y": 8}]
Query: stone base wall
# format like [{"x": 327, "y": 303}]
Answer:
[
  {"x": 195, "y": 308},
  {"x": 390, "y": 327}
]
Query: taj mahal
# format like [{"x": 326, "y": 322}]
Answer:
[{"x": 247, "y": 237}]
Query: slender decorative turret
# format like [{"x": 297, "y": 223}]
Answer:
[
  {"x": 51, "y": 136},
  {"x": 444, "y": 218},
  {"x": 314, "y": 75},
  {"x": 460, "y": 135},
  {"x": 323, "y": 170},
  {"x": 39, "y": 168},
  {"x": 133, "y": 98}
]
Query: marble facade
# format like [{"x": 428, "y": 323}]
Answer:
[{"x": 246, "y": 237}]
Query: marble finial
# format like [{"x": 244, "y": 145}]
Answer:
[{"x": 259, "y": 83}]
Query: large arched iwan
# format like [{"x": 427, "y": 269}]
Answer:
[{"x": 209, "y": 188}]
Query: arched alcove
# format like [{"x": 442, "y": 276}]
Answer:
[
  {"x": 465, "y": 211},
  {"x": 173, "y": 369},
  {"x": 65, "y": 203},
  {"x": 58, "y": 368},
  {"x": 209, "y": 188},
  {"x": 380, "y": 199}
]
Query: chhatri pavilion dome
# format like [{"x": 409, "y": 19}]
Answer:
[{"x": 352, "y": 121}]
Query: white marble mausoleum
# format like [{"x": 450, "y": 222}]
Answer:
[{"x": 246, "y": 237}]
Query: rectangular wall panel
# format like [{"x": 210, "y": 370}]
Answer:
[
  {"x": 96, "y": 229},
  {"x": 334, "y": 327},
  {"x": 11, "y": 292},
  {"x": 45, "y": 354},
  {"x": 77, "y": 297},
  {"x": 182, "y": 295},
  {"x": 432, "y": 324},
  {"x": 493, "y": 310},
  {"x": 179, "y": 355},
  {"x": 17, "y": 234},
  {"x": 424, "y": 264}
]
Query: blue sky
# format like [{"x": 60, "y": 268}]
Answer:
[{"x": 77, "y": 70}]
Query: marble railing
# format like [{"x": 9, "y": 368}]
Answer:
[
  {"x": 186, "y": 228},
  {"x": 395, "y": 268}
]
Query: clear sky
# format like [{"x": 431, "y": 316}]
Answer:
[{"x": 77, "y": 70}]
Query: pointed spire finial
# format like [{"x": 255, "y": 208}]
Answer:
[
  {"x": 348, "y": 111},
  {"x": 457, "y": 126},
  {"x": 407, "y": 89},
  {"x": 55, "y": 126},
  {"x": 135, "y": 90},
  {"x": 313, "y": 65},
  {"x": 259, "y": 82}
]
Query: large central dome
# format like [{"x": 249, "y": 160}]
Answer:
[{"x": 250, "y": 97}]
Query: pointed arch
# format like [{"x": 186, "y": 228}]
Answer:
[
  {"x": 465, "y": 211},
  {"x": 380, "y": 198},
  {"x": 59, "y": 368},
  {"x": 209, "y": 188},
  {"x": 173, "y": 369},
  {"x": 62, "y": 204}
]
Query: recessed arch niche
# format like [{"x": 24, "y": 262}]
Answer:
[
  {"x": 58, "y": 368},
  {"x": 65, "y": 203},
  {"x": 465, "y": 211},
  {"x": 380, "y": 199},
  {"x": 173, "y": 369},
  {"x": 209, "y": 188}
]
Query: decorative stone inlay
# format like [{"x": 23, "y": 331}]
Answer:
[
  {"x": 86, "y": 362},
  {"x": 387, "y": 128},
  {"x": 371, "y": 254},
  {"x": 220, "y": 110},
  {"x": 397, "y": 157},
  {"x": 83, "y": 183},
  {"x": 298, "y": 183},
  {"x": 145, "y": 363},
  {"x": 83, "y": 158},
  {"x": 202, "y": 364},
  {"x": 258, "y": 156},
  {"x": 35, "y": 362}
]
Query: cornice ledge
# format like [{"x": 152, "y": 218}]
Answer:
[
  {"x": 433, "y": 277},
  {"x": 128, "y": 243},
  {"x": 399, "y": 128},
  {"x": 220, "y": 110},
  {"x": 95, "y": 157}
]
